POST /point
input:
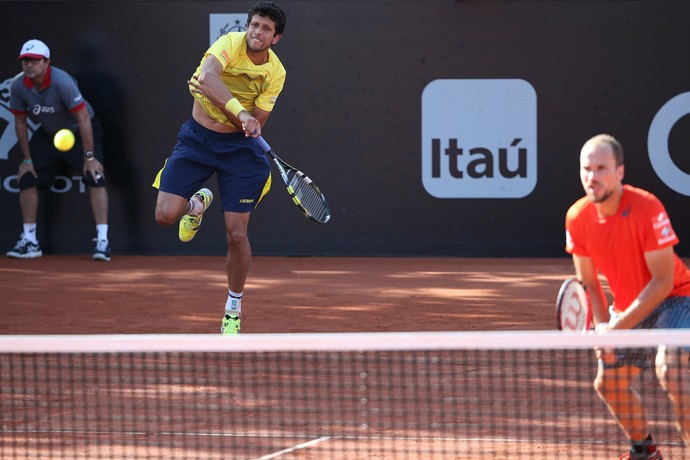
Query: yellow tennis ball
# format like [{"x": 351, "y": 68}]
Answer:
[{"x": 64, "y": 140}]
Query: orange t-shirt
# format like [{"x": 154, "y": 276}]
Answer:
[{"x": 617, "y": 244}]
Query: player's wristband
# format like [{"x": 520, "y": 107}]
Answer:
[
  {"x": 29, "y": 161},
  {"x": 234, "y": 107}
]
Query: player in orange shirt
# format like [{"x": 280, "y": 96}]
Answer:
[{"x": 624, "y": 233}]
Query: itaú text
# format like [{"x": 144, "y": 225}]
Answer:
[{"x": 478, "y": 162}]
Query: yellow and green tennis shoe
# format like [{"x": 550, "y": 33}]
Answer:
[
  {"x": 189, "y": 225},
  {"x": 230, "y": 325}
]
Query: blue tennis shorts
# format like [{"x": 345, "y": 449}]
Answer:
[
  {"x": 242, "y": 169},
  {"x": 672, "y": 313}
]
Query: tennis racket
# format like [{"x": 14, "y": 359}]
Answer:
[
  {"x": 303, "y": 191},
  {"x": 573, "y": 312}
]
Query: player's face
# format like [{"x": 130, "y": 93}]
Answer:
[
  {"x": 261, "y": 33},
  {"x": 599, "y": 174}
]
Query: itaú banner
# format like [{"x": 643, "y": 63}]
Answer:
[{"x": 479, "y": 138}]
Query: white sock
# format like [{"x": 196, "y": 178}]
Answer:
[
  {"x": 30, "y": 233},
  {"x": 102, "y": 232},
  {"x": 233, "y": 306},
  {"x": 195, "y": 207}
]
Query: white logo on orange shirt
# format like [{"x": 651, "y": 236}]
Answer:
[{"x": 662, "y": 229}]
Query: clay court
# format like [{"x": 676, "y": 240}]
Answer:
[{"x": 186, "y": 294}]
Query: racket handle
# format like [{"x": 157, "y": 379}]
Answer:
[{"x": 264, "y": 145}]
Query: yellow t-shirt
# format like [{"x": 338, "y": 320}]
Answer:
[{"x": 253, "y": 85}]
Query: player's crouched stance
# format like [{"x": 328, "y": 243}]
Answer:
[
  {"x": 624, "y": 234},
  {"x": 41, "y": 161}
]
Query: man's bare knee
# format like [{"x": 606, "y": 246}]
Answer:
[
  {"x": 169, "y": 209},
  {"x": 164, "y": 220},
  {"x": 165, "y": 216}
]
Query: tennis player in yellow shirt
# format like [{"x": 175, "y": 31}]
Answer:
[{"x": 235, "y": 89}]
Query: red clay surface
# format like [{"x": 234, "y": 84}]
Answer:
[{"x": 186, "y": 294}]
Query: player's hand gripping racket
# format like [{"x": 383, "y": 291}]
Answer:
[
  {"x": 573, "y": 311},
  {"x": 304, "y": 193}
]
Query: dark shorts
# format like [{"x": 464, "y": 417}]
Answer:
[
  {"x": 49, "y": 161},
  {"x": 242, "y": 169},
  {"x": 672, "y": 313}
]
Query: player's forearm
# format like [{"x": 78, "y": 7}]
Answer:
[
  {"x": 22, "y": 138},
  {"x": 597, "y": 297},
  {"x": 588, "y": 275},
  {"x": 86, "y": 133},
  {"x": 209, "y": 82},
  {"x": 651, "y": 296},
  {"x": 600, "y": 308},
  {"x": 85, "y": 129},
  {"x": 211, "y": 85}
]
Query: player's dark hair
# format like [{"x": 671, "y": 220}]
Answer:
[{"x": 271, "y": 11}]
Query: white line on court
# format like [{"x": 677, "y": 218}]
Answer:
[{"x": 313, "y": 442}]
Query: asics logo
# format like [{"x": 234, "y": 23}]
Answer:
[{"x": 38, "y": 109}]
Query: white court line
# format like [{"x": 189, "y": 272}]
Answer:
[{"x": 313, "y": 442}]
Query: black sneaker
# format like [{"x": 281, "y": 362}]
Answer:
[
  {"x": 25, "y": 249},
  {"x": 102, "y": 250},
  {"x": 652, "y": 454}
]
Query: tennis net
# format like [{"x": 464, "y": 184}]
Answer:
[{"x": 427, "y": 395}]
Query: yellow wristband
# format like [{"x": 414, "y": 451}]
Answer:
[{"x": 234, "y": 107}]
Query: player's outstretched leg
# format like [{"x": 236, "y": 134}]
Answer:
[{"x": 189, "y": 224}]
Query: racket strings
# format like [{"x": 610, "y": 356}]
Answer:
[
  {"x": 309, "y": 197},
  {"x": 573, "y": 307}
]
